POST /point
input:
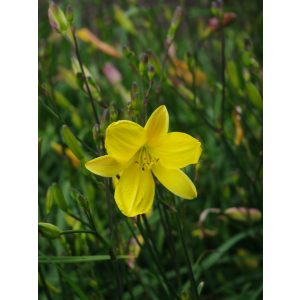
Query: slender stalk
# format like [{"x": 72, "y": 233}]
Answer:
[
  {"x": 148, "y": 247},
  {"x": 201, "y": 114},
  {"x": 156, "y": 254},
  {"x": 223, "y": 78},
  {"x": 79, "y": 231},
  {"x": 190, "y": 269},
  {"x": 60, "y": 123},
  {"x": 114, "y": 261},
  {"x": 112, "y": 253},
  {"x": 132, "y": 232},
  {"x": 47, "y": 292},
  {"x": 79, "y": 219},
  {"x": 146, "y": 100},
  {"x": 84, "y": 77},
  {"x": 166, "y": 224},
  {"x": 148, "y": 244},
  {"x": 164, "y": 62}
]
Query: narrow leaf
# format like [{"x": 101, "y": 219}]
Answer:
[
  {"x": 254, "y": 95},
  {"x": 77, "y": 259}
]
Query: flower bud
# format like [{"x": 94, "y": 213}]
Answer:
[
  {"x": 143, "y": 63},
  {"x": 49, "y": 230},
  {"x": 111, "y": 73},
  {"x": 72, "y": 142},
  {"x": 151, "y": 72},
  {"x": 154, "y": 61},
  {"x": 69, "y": 14},
  {"x": 174, "y": 24},
  {"x": 243, "y": 214},
  {"x": 217, "y": 23},
  {"x": 216, "y": 8},
  {"x": 113, "y": 114},
  {"x": 133, "y": 91},
  {"x": 57, "y": 18},
  {"x": 228, "y": 18},
  {"x": 123, "y": 19}
]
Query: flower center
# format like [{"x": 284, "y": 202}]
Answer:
[{"x": 145, "y": 160}]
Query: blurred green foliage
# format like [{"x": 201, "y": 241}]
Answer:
[{"x": 186, "y": 74}]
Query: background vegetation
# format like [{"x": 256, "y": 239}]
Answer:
[{"x": 204, "y": 62}]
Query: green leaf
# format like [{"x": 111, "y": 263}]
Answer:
[
  {"x": 123, "y": 20},
  {"x": 233, "y": 74},
  {"x": 59, "y": 196},
  {"x": 77, "y": 259},
  {"x": 219, "y": 253},
  {"x": 72, "y": 142},
  {"x": 254, "y": 95},
  {"x": 49, "y": 200}
]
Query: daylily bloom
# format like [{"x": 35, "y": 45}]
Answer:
[{"x": 136, "y": 153}]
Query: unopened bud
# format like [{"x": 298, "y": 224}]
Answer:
[
  {"x": 151, "y": 72},
  {"x": 111, "y": 73},
  {"x": 217, "y": 8},
  {"x": 228, "y": 18},
  {"x": 174, "y": 24},
  {"x": 143, "y": 63},
  {"x": 133, "y": 91},
  {"x": 72, "y": 142},
  {"x": 217, "y": 23},
  {"x": 49, "y": 230},
  {"x": 69, "y": 14},
  {"x": 57, "y": 18},
  {"x": 113, "y": 114},
  {"x": 243, "y": 214}
]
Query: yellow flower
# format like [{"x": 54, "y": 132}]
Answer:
[{"x": 135, "y": 154}]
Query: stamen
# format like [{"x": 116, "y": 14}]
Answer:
[{"x": 145, "y": 160}]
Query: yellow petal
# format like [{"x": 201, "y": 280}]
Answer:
[
  {"x": 176, "y": 150},
  {"x": 176, "y": 181},
  {"x": 123, "y": 139},
  {"x": 105, "y": 166},
  {"x": 134, "y": 193},
  {"x": 158, "y": 123}
]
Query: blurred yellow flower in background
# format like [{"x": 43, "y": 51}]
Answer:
[{"x": 136, "y": 153}]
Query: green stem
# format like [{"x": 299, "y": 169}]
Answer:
[
  {"x": 84, "y": 77},
  {"x": 150, "y": 250},
  {"x": 223, "y": 78},
  {"x": 162, "y": 278},
  {"x": 47, "y": 292},
  {"x": 146, "y": 100},
  {"x": 167, "y": 228},
  {"x": 156, "y": 254},
  {"x": 191, "y": 274},
  {"x": 79, "y": 231},
  {"x": 114, "y": 262}
]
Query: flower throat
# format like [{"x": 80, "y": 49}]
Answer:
[{"x": 145, "y": 160}]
